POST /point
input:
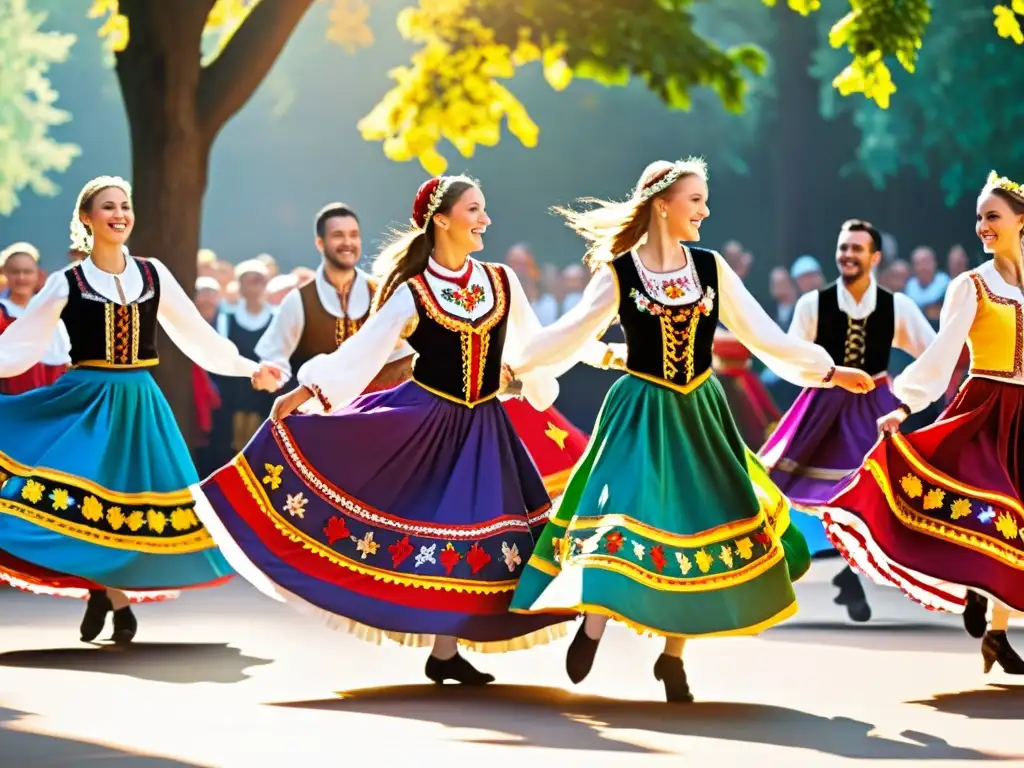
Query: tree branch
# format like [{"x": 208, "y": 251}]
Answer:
[{"x": 227, "y": 83}]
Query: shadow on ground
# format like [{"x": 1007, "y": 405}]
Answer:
[
  {"x": 160, "y": 662},
  {"x": 556, "y": 719},
  {"x": 22, "y": 749},
  {"x": 994, "y": 702}
]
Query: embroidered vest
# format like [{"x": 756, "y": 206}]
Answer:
[
  {"x": 108, "y": 335},
  {"x": 996, "y": 322},
  {"x": 459, "y": 359},
  {"x": 669, "y": 343},
  {"x": 322, "y": 332},
  {"x": 864, "y": 344}
]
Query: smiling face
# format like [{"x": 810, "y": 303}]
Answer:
[
  {"x": 22, "y": 274},
  {"x": 342, "y": 243},
  {"x": 109, "y": 216},
  {"x": 855, "y": 255},
  {"x": 999, "y": 222},
  {"x": 685, "y": 206},
  {"x": 464, "y": 225}
]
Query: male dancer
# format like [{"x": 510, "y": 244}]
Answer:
[
  {"x": 318, "y": 317},
  {"x": 823, "y": 438}
]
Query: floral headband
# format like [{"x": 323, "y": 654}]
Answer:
[
  {"x": 995, "y": 180},
  {"x": 679, "y": 169}
]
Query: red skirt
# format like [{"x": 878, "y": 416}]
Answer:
[
  {"x": 939, "y": 511},
  {"x": 551, "y": 440},
  {"x": 38, "y": 375}
]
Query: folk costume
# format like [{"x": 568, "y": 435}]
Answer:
[
  {"x": 99, "y": 489},
  {"x": 752, "y": 408},
  {"x": 51, "y": 366},
  {"x": 669, "y": 523},
  {"x": 938, "y": 512}
]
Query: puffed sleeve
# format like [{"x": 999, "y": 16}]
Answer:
[
  {"x": 192, "y": 334},
  {"x": 795, "y": 360},
  {"x": 805, "y": 317},
  {"x": 925, "y": 380},
  {"x": 339, "y": 377},
  {"x": 279, "y": 341},
  {"x": 29, "y": 337},
  {"x": 913, "y": 331},
  {"x": 574, "y": 336}
]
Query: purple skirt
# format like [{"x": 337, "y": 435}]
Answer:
[
  {"x": 403, "y": 515},
  {"x": 819, "y": 444}
]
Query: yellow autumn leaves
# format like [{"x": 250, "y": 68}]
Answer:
[
  {"x": 1008, "y": 21},
  {"x": 453, "y": 93}
]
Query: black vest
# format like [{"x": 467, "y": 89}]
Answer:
[
  {"x": 671, "y": 343},
  {"x": 236, "y": 392},
  {"x": 108, "y": 335},
  {"x": 460, "y": 359},
  {"x": 864, "y": 344}
]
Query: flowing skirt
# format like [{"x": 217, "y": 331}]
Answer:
[
  {"x": 939, "y": 511},
  {"x": 99, "y": 491},
  {"x": 553, "y": 442},
  {"x": 819, "y": 444},
  {"x": 402, "y": 516},
  {"x": 669, "y": 523}
]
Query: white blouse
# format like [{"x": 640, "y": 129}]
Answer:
[
  {"x": 279, "y": 342},
  {"x": 343, "y": 374},
  {"x": 59, "y": 350},
  {"x": 913, "y": 332},
  {"x": 925, "y": 380},
  {"x": 25, "y": 342},
  {"x": 795, "y": 360}
]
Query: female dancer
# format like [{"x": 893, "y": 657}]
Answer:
[
  {"x": 408, "y": 513},
  {"x": 938, "y": 512},
  {"x": 668, "y": 523},
  {"x": 97, "y": 497}
]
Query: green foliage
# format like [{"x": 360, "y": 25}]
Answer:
[
  {"x": 956, "y": 118},
  {"x": 27, "y": 111}
]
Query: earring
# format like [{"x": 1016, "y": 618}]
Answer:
[{"x": 664, "y": 213}]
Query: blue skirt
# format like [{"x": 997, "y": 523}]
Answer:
[{"x": 99, "y": 491}]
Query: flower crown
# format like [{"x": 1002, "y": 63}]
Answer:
[
  {"x": 995, "y": 180},
  {"x": 679, "y": 169},
  {"x": 428, "y": 200}
]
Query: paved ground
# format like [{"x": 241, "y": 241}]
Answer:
[{"x": 228, "y": 678}]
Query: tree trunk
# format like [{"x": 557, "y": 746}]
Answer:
[{"x": 175, "y": 109}]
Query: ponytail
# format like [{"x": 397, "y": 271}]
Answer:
[
  {"x": 404, "y": 257},
  {"x": 610, "y": 228}
]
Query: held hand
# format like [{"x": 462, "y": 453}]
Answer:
[
  {"x": 514, "y": 388},
  {"x": 507, "y": 376},
  {"x": 891, "y": 421},
  {"x": 286, "y": 404},
  {"x": 853, "y": 380},
  {"x": 268, "y": 378}
]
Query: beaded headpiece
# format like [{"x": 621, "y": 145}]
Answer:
[
  {"x": 428, "y": 200},
  {"x": 81, "y": 237},
  {"x": 680, "y": 168},
  {"x": 995, "y": 180}
]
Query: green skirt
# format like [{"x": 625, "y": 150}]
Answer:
[{"x": 668, "y": 523}]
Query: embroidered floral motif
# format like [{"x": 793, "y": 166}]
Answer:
[
  {"x": 115, "y": 518},
  {"x": 183, "y": 519},
  {"x": 684, "y": 563},
  {"x": 557, "y": 435},
  {"x": 467, "y": 298},
  {"x": 135, "y": 520},
  {"x": 672, "y": 288},
  {"x": 613, "y": 542},
  {"x": 400, "y": 550},
  {"x": 987, "y": 515},
  {"x": 33, "y": 492},
  {"x": 273, "y": 476},
  {"x": 707, "y": 302},
  {"x": 60, "y": 499},
  {"x": 745, "y": 548},
  {"x": 449, "y": 558},
  {"x": 934, "y": 499},
  {"x": 646, "y": 305},
  {"x": 157, "y": 520},
  {"x": 477, "y": 557},
  {"x": 336, "y": 530},
  {"x": 725, "y": 555},
  {"x": 961, "y": 508},
  {"x": 295, "y": 505},
  {"x": 1006, "y": 525},
  {"x": 511, "y": 556},
  {"x": 911, "y": 486},
  {"x": 704, "y": 560},
  {"x": 366, "y": 545},
  {"x": 638, "y": 550},
  {"x": 426, "y": 555},
  {"x": 658, "y": 557},
  {"x": 92, "y": 509}
]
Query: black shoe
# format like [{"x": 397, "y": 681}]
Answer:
[
  {"x": 579, "y": 659},
  {"x": 976, "y": 614},
  {"x": 851, "y": 594},
  {"x": 996, "y": 649},
  {"x": 456, "y": 668},
  {"x": 670, "y": 671},
  {"x": 125, "y": 626},
  {"x": 95, "y": 615}
]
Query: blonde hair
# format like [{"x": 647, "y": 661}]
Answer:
[
  {"x": 612, "y": 228},
  {"x": 406, "y": 254},
  {"x": 81, "y": 235}
]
